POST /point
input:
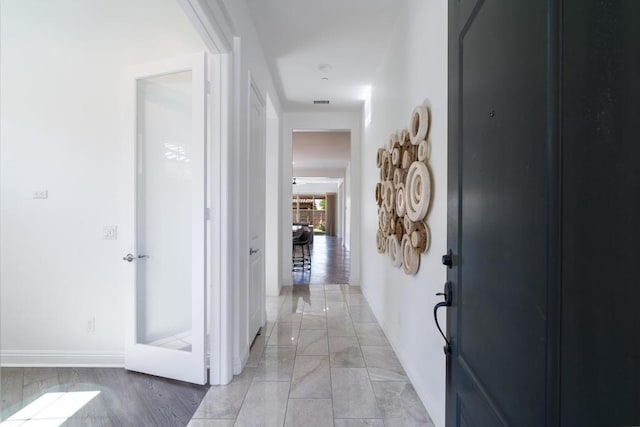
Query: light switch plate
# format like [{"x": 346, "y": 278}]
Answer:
[
  {"x": 110, "y": 232},
  {"x": 41, "y": 194}
]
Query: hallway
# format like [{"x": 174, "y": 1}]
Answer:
[
  {"x": 330, "y": 263},
  {"x": 322, "y": 360},
  {"x": 250, "y": 74}
]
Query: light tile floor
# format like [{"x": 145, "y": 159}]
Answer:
[{"x": 321, "y": 360}]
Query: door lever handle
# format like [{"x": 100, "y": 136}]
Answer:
[
  {"x": 131, "y": 257},
  {"x": 253, "y": 251},
  {"x": 446, "y": 303}
]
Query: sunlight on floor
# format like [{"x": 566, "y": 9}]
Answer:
[{"x": 50, "y": 410}]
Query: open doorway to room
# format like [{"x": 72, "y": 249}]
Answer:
[{"x": 319, "y": 203}]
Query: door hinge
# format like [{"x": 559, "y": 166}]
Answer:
[{"x": 207, "y": 214}]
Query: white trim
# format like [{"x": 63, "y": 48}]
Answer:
[
  {"x": 52, "y": 358},
  {"x": 220, "y": 348},
  {"x": 236, "y": 248},
  {"x": 211, "y": 20},
  {"x": 224, "y": 351},
  {"x": 240, "y": 361}
]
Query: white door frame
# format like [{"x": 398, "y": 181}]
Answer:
[
  {"x": 337, "y": 121},
  {"x": 212, "y": 22}
]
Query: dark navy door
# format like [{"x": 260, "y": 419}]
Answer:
[
  {"x": 498, "y": 213},
  {"x": 544, "y": 213}
]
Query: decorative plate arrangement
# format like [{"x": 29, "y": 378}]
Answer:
[{"x": 403, "y": 194}]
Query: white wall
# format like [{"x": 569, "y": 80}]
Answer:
[
  {"x": 272, "y": 249},
  {"x": 414, "y": 68},
  {"x": 348, "y": 197},
  {"x": 351, "y": 121},
  {"x": 341, "y": 211},
  {"x": 64, "y": 90},
  {"x": 313, "y": 188}
]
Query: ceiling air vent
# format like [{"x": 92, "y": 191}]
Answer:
[{"x": 321, "y": 102}]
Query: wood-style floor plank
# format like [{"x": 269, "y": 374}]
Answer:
[
  {"x": 330, "y": 263},
  {"x": 173, "y": 403},
  {"x": 12, "y": 387},
  {"x": 121, "y": 399},
  {"x": 94, "y": 413},
  {"x": 38, "y": 381},
  {"x": 124, "y": 399},
  {"x": 39, "y": 375}
]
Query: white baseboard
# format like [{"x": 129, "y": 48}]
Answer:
[{"x": 29, "y": 358}]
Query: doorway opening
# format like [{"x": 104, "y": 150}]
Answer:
[{"x": 319, "y": 203}]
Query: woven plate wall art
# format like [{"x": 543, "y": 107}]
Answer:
[{"x": 404, "y": 193}]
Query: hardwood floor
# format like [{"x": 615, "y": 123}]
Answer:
[
  {"x": 124, "y": 399},
  {"x": 330, "y": 263}
]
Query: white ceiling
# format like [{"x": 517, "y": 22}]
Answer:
[
  {"x": 299, "y": 35},
  {"x": 321, "y": 151}
]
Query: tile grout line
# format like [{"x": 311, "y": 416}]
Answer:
[
  {"x": 333, "y": 412},
  {"x": 295, "y": 361},
  {"x": 244, "y": 398},
  {"x": 364, "y": 360}
]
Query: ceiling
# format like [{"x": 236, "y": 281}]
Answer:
[
  {"x": 320, "y": 151},
  {"x": 299, "y": 35}
]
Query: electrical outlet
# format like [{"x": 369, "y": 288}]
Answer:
[
  {"x": 41, "y": 194},
  {"x": 110, "y": 232},
  {"x": 91, "y": 325}
]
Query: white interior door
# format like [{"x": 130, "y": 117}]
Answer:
[
  {"x": 257, "y": 125},
  {"x": 166, "y": 301}
]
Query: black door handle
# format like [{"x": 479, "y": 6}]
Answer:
[{"x": 446, "y": 303}]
